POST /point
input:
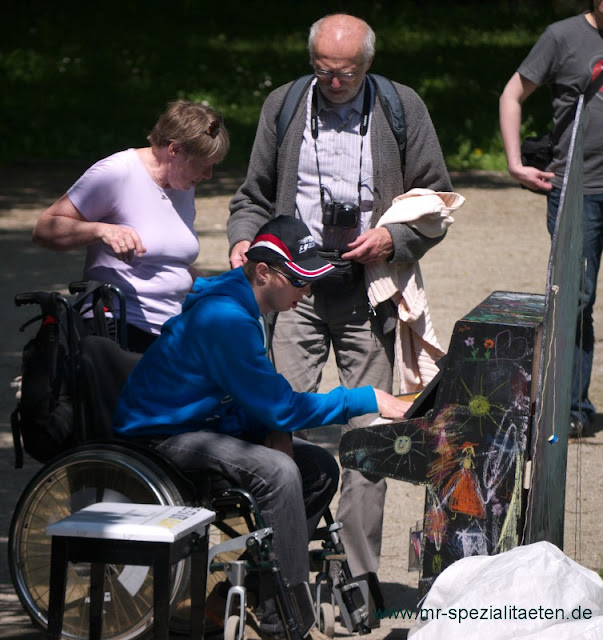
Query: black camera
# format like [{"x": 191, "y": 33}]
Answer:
[{"x": 340, "y": 214}]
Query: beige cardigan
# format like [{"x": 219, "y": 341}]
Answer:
[{"x": 416, "y": 347}]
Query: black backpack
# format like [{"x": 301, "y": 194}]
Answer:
[
  {"x": 47, "y": 419},
  {"x": 43, "y": 422},
  {"x": 386, "y": 92}
]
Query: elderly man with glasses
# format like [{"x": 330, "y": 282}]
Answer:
[{"x": 338, "y": 168}]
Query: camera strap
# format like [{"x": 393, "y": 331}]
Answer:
[{"x": 364, "y": 122}]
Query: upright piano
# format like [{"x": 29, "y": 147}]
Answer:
[{"x": 488, "y": 436}]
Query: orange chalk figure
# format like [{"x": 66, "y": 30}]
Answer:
[
  {"x": 462, "y": 490},
  {"x": 435, "y": 526}
]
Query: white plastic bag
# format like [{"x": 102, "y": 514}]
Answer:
[{"x": 533, "y": 592}]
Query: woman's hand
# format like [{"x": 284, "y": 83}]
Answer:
[
  {"x": 62, "y": 228},
  {"x": 124, "y": 241}
]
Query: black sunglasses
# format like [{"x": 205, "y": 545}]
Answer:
[
  {"x": 214, "y": 127},
  {"x": 294, "y": 282}
]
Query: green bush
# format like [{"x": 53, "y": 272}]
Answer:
[{"x": 83, "y": 81}]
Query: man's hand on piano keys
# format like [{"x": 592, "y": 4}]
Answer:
[{"x": 390, "y": 406}]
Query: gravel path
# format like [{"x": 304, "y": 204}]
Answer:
[{"x": 498, "y": 242}]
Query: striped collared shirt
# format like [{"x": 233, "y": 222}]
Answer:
[{"x": 336, "y": 152}]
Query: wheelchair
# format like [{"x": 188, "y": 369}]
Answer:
[{"x": 105, "y": 469}]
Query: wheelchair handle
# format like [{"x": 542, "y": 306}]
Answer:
[
  {"x": 46, "y": 300},
  {"x": 78, "y": 287},
  {"x": 105, "y": 289},
  {"x": 33, "y": 297}
]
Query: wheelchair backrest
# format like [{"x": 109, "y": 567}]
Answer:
[{"x": 104, "y": 369}]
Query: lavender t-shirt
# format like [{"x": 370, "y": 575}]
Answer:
[{"x": 119, "y": 190}]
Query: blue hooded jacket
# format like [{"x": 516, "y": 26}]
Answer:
[{"x": 209, "y": 370}]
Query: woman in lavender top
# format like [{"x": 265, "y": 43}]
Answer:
[{"x": 134, "y": 212}]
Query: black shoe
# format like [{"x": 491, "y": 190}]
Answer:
[
  {"x": 575, "y": 428},
  {"x": 579, "y": 424}
]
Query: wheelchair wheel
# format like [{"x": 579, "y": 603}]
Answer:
[
  {"x": 326, "y": 619},
  {"x": 232, "y": 628},
  {"x": 89, "y": 474}
]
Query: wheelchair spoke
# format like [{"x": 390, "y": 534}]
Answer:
[{"x": 77, "y": 479}]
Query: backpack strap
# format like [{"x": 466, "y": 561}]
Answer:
[
  {"x": 593, "y": 87},
  {"x": 385, "y": 90},
  {"x": 570, "y": 115},
  {"x": 394, "y": 111},
  {"x": 15, "y": 425},
  {"x": 289, "y": 107}
]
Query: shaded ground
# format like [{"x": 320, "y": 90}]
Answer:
[{"x": 498, "y": 242}]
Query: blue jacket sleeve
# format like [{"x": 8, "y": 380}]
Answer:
[{"x": 243, "y": 370}]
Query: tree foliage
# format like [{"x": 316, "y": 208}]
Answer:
[{"x": 84, "y": 80}]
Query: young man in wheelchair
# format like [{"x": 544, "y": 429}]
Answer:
[{"x": 208, "y": 398}]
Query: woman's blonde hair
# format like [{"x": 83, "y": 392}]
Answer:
[{"x": 198, "y": 129}]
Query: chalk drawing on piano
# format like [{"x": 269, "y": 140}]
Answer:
[
  {"x": 400, "y": 449},
  {"x": 508, "y": 536},
  {"x": 462, "y": 492},
  {"x": 435, "y": 526},
  {"x": 435, "y": 521},
  {"x": 444, "y": 444},
  {"x": 396, "y": 450},
  {"x": 403, "y": 445},
  {"x": 501, "y": 456},
  {"x": 474, "y": 483},
  {"x": 520, "y": 390},
  {"x": 472, "y": 541},
  {"x": 504, "y": 346},
  {"x": 502, "y": 473},
  {"x": 511, "y": 347},
  {"x": 474, "y": 349},
  {"x": 479, "y": 404}
]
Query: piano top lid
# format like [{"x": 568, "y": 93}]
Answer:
[{"x": 509, "y": 308}]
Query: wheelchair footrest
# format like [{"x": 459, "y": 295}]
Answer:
[
  {"x": 358, "y": 598},
  {"x": 302, "y": 607}
]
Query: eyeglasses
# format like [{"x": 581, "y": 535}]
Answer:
[
  {"x": 340, "y": 75},
  {"x": 214, "y": 127},
  {"x": 294, "y": 282}
]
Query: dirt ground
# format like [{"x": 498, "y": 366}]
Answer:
[{"x": 498, "y": 242}]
